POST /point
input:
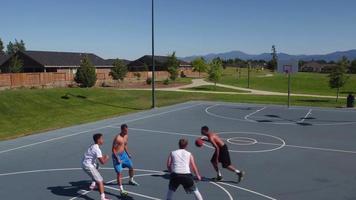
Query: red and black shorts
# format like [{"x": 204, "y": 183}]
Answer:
[
  {"x": 224, "y": 156},
  {"x": 186, "y": 180}
]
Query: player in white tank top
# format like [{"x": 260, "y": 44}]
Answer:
[{"x": 179, "y": 163}]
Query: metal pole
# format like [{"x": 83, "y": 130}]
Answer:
[
  {"x": 289, "y": 84},
  {"x": 153, "y": 60},
  {"x": 248, "y": 75}
]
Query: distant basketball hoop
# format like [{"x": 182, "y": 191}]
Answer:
[{"x": 288, "y": 67}]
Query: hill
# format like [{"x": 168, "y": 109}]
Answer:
[{"x": 334, "y": 56}]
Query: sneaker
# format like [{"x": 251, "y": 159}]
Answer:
[
  {"x": 133, "y": 182},
  {"x": 124, "y": 193},
  {"x": 218, "y": 178},
  {"x": 241, "y": 175},
  {"x": 105, "y": 198},
  {"x": 92, "y": 186}
]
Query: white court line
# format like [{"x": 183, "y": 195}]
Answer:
[
  {"x": 311, "y": 148},
  {"x": 134, "y": 193},
  {"x": 78, "y": 133},
  {"x": 68, "y": 169},
  {"x": 255, "y": 112},
  {"x": 80, "y": 195},
  {"x": 150, "y": 172},
  {"x": 307, "y": 115},
  {"x": 50, "y": 140},
  {"x": 225, "y": 190},
  {"x": 108, "y": 182},
  {"x": 283, "y": 143},
  {"x": 247, "y": 190},
  {"x": 163, "y": 132}
]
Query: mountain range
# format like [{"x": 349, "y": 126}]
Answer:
[{"x": 351, "y": 55}]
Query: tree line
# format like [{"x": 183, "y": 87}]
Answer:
[{"x": 16, "y": 64}]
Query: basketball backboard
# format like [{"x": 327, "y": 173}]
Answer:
[{"x": 287, "y": 66}]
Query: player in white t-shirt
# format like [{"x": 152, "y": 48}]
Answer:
[
  {"x": 90, "y": 165},
  {"x": 179, "y": 164}
]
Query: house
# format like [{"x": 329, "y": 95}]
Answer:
[
  {"x": 145, "y": 63},
  {"x": 3, "y": 58},
  {"x": 311, "y": 67},
  {"x": 316, "y": 67},
  {"x": 50, "y": 61}
]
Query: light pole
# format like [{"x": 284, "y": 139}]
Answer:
[
  {"x": 153, "y": 60},
  {"x": 248, "y": 74}
]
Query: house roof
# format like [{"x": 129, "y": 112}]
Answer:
[
  {"x": 111, "y": 61},
  {"x": 313, "y": 65},
  {"x": 54, "y": 59},
  {"x": 3, "y": 58},
  {"x": 159, "y": 61}
]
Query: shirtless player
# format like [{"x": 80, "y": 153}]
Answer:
[
  {"x": 221, "y": 154},
  {"x": 122, "y": 159}
]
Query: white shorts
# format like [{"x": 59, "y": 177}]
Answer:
[{"x": 93, "y": 173}]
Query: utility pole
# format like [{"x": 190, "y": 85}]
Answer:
[
  {"x": 248, "y": 74},
  {"x": 289, "y": 88},
  {"x": 153, "y": 60}
]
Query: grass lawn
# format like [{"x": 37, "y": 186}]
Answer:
[
  {"x": 178, "y": 81},
  {"x": 213, "y": 88},
  {"x": 302, "y": 82},
  {"x": 27, "y": 111}
]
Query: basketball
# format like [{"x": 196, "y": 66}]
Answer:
[{"x": 199, "y": 142}]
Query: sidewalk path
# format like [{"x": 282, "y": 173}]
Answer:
[{"x": 201, "y": 82}]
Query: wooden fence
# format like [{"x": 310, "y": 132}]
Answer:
[{"x": 63, "y": 79}]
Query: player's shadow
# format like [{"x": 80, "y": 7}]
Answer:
[
  {"x": 71, "y": 190},
  {"x": 74, "y": 188},
  {"x": 204, "y": 179}
]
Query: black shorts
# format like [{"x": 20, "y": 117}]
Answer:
[
  {"x": 186, "y": 180},
  {"x": 224, "y": 156}
]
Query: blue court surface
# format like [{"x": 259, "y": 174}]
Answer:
[{"x": 296, "y": 153}]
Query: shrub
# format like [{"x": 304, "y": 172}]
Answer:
[
  {"x": 86, "y": 75},
  {"x": 149, "y": 81},
  {"x": 119, "y": 71},
  {"x": 137, "y": 75},
  {"x": 166, "y": 81}
]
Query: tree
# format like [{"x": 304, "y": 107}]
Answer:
[
  {"x": 301, "y": 63},
  {"x": 199, "y": 65},
  {"x": 272, "y": 64},
  {"x": 15, "y": 65},
  {"x": 119, "y": 71},
  {"x": 1, "y": 47},
  {"x": 352, "y": 68},
  {"x": 12, "y": 48},
  {"x": 215, "y": 70},
  {"x": 172, "y": 66},
  {"x": 337, "y": 77},
  {"x": 86, "y": 75}
]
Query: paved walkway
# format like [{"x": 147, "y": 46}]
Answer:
[{"x": 201, "y": 82}]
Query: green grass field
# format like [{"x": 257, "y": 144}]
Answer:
[
  {"x": 27, "y": 111},
  {"x": 212, "y": 88},
  {"x": 302, "y": 83}
]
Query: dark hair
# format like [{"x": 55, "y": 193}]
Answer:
[
  {"x": 205, "y": 128},
  {"x": 183, "y": 143},
  {"x": 96, "y": 137},
  {"x": 124, "y": 126}
]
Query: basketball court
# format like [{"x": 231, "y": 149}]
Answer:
[{"x": 288, "y": 153}]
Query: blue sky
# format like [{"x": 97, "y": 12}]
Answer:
[{"x": 121, "y": 28}]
